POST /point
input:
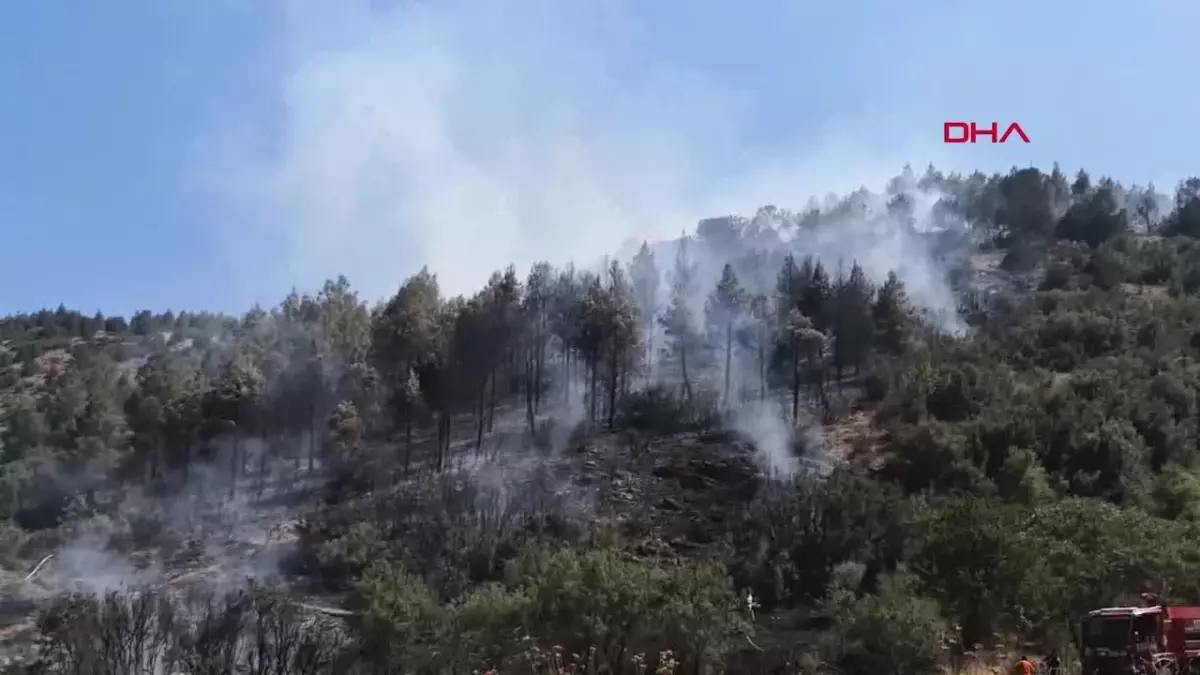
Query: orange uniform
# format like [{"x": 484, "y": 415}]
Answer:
[{"x": 1025, "y": 667}]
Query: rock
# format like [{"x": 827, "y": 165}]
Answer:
[
  {"x": 698, "y": 534},
  {"x": 683, "y": 475},
  {"x": 695, "y": 482},
  {"x": 624, "y": 494},
  {"x": 665, "y": 471}
]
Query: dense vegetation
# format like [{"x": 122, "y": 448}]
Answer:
[{"x": 1030, "y": 461}]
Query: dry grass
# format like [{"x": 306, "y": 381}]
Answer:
[
  {"x": 1150, "y": 293},
  {"x": 855, "y": 439}
]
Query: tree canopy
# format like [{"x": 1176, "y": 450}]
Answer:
[{"x": 992, "y": 469}]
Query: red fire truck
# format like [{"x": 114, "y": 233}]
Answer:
[{"x": 1150, "y": 640}]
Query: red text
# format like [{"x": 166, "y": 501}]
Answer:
[{"x": 969, "y": 132}]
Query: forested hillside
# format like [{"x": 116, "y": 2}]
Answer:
[{"x": 884, "y": 433}]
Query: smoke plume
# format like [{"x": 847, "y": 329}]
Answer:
[{"x": 468, "y": 135}]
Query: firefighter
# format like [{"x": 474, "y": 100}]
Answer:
[
  {"x": 1024, "y": 666},
  {"x": 1053, "y": 663}
]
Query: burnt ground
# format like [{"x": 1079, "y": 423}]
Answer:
[{"x": 682, "y": 494}]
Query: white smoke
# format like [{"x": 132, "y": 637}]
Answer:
[
  {"x": 207, "y": 534},
  {"x": 468, "y": 135},
  {"x": 764, "y": 425}
]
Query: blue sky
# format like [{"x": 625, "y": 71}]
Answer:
[{"x": 180, "y": 154}]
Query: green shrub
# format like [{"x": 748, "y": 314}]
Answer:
[{"x": 895, "y": 632}]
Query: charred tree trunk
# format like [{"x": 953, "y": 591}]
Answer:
[
  {"x": 262, "y": 470},
  {"x": 437, "y": 455},
  {"x": 312, "y": 434},
  {"x": 530, "y": 391},
  {"x": 795, "y": 385},
  {"x": 514, "y": 362},
  {"x": 492, "y": 405},
  {"x": 479, "y": 415},
  {"x": 818, "y": 375},
  {"x": 762, "y": 372},
  {"x": 443, "y": 440},
  {"x": 157, "y": 459},
  {"x": 566, "y": 376},
  {"x": 539, "y": 369},
  {"x": 408, "y": 444},
  {"x": 592, "y": 389},
  {"x": 650, "y": 348},
  {"x": 728, "y": 357},
  {"x": 298, "y": 450},
  {"x": 234, "y": 459},
  {"x": 613, "y": 376},
  {"x": 687, "y": 383}
]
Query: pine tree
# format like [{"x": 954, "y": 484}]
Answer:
[
  {"x": 724, "y": 311},
  {"x": 644, "y": 273},
  {"x": 683, "y": 340}
]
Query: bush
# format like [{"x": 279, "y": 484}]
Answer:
[
  {"x": 401, "y": 623},
  {"x": 254, "y": 630},
  {"x": 615, "y": 607},
  {"x": 895, "y": 632},
  {"x": 453, "y": 531},
  {"x": 790, "y": 543},
  {"x": 659, "y": 409},
  {"x": 654, "y": 409},
  {"x": 606, "y": 608}
]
